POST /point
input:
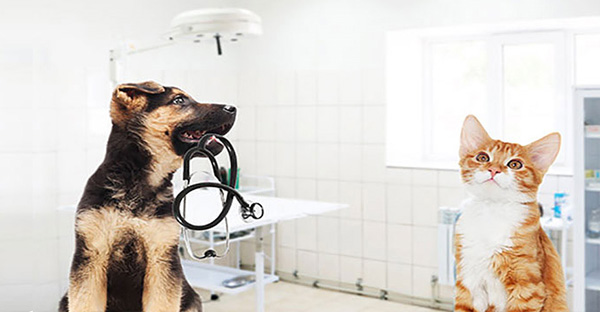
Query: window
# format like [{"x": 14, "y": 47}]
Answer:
[
  {"x": 516, "y": 83},
  {"x": 532, "y": 93},
  {"x": 457, "y": 79},
  {"x": 587, "y": 62}
]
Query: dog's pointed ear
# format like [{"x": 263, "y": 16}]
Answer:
[
  {"x": 148, "y": 87},
  {"x": 130, "y": 98},
  {"x": 128, "y": 94}
]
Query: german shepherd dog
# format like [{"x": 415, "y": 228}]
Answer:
[{"x": 126, "y": 238}]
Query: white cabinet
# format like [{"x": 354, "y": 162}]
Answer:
[{"x": 586, "y": 199}]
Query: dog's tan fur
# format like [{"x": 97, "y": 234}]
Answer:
[
  {"x": 101, "y": 229},
  {"x": 164, "y": 161}
]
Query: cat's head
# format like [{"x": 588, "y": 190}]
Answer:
[{"x": 496, "y": 170}]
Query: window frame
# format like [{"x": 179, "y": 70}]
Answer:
[
  {"x": 495, "y": 105},
  {"x": 564, "y": 45}
]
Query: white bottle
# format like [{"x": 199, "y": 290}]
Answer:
[{"x": 594, "y": 224}]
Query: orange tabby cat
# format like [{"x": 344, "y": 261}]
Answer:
[{"x": 505, "y": 261}]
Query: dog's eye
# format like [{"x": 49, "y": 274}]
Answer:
[
  {"x": 515, "y": 164},
  {"x": 179, "y": 100},
  {"x": 482, "y": 157}
]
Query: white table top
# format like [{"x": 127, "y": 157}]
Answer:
[
  {"x": 551, "y": 223},
  {"x": 204, "y": 205},
  {"x": 276, "y": 209}
]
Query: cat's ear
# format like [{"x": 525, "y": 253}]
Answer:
[
  {"x": 543, "y": 152},
  {"x": 472, "y": 136}
]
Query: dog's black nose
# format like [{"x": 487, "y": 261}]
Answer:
[{"x": 230, "y": 109}]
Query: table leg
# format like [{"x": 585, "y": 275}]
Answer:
[
  {"x": 211, "y": 239},
  {"x": 237, "y": 255},
  {"x": 259, "y": 261},
  {"x": 273, "y": 250},
  {"x": 563, "y": 252}
]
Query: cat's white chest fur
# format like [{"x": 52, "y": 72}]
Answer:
[{"x": 485, "y": 229}]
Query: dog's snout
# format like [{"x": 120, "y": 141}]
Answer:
[{"x": 229, "y": 109}]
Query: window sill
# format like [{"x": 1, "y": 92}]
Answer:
[{"x": 555, "y": 171}]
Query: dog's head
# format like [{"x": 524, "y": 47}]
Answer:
[{"x": 168, "y": 120}]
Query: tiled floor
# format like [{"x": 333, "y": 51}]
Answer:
[{"x": 289, "y": 297}]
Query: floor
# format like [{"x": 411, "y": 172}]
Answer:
[{"x": 290, "y": 297}]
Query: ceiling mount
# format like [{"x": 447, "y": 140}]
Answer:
[{"x": 220, "y": 25}]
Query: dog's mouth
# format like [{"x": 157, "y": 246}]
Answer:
[{"x": 190, "y": 135}]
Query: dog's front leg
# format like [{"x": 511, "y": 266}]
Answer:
[
  {"x": 87, "y": 285},
  {"x": 162, "y": 284}
]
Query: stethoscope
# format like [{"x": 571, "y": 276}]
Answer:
[{"x": 247, "y": 210}]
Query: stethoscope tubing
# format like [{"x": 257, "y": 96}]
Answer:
[
  {"x": 231, "y": 191},
  {"x": 248, "y": 210}
]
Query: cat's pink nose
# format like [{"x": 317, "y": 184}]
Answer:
[{"x": 494, "y": 171}]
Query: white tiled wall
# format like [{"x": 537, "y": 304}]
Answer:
[
  {"x": 388, "y": 235},
  {"x": 28, "y": 192}
]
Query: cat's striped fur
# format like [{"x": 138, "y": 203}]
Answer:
[{"x": 505, "y": 261}]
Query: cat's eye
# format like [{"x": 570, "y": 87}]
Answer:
[
  {"x": 482, "y": 157},
  {"x": 515, "y": 164}
]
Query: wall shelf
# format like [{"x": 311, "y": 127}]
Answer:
[
  {"x": 592, "y": 280},
  {"x": 586, "y": 198},
  {"x": 219, "y": 242},
  {"x": 207, "y": 276}
]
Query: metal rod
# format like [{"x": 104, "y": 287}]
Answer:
[
  {"x": 237, "y": 256},
  {"x": 150, "y": 47},
  {"x": 211, "y": 260},
  {"x": 218, "y": 38},
  {"x": 113, "y": 67},
  {"x": 376, "y": 293},
  {"x": 273, "y": 251},
  {"x": 259, "y": 260},
  {"x": 435, "y": 291}
]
